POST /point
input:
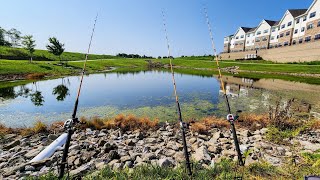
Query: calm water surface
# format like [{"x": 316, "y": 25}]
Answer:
[{"x": 147, "y": 93}]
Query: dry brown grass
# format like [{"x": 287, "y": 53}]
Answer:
[
  {"x": 40, "y": 127},
  {"x": 316, "y": 125},
  {"x": 253, "y": 122},
  {"x": 125, "y": 123},
  {"x": 203, "y": 126},
  {"x": 35, "y": 76}
]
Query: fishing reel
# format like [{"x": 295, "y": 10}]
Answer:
[
  {"x": 232, "y": 118},
  {"x": 70, "y": 122}
]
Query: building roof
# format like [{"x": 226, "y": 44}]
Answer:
[
  {"x": 277, "y": 23},
  {"x": 297, "y": 12},
  {"x": 271, "y": 23},
  {"x": 246, "y": 29},
  {"x": 252, "y": 29}
]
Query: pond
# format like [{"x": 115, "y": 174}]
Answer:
[{"x": 146, "y": 94}]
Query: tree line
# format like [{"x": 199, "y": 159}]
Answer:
[
  {"x": 14, "y": 38},
  {"x": 124, "y": 55}
]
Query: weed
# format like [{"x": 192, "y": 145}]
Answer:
[{"x": 40, "y": 127}]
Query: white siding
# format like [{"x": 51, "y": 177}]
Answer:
[
  {"x": 240, "y": 35},
  {"x": 232, "y": 43},
  {"x": 299, "y": 26},
  {"x": 250, "y": 39},
  {"x": 274, "y": 34},
  {"x": 264, "y": 26},
  {"x": 287, "y": 18},
  {"x": 314, "y": 8}
]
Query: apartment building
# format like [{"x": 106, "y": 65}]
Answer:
[{"x": 296, "y": 26}]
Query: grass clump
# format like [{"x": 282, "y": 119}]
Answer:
[{"x": 125, "y": 123}]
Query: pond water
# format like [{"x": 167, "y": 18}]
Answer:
[{"x": 145, "y": 94}]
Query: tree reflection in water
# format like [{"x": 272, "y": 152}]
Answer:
[{"x": 61, "y": 91}]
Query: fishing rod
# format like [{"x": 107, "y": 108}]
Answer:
[
  {"x": 69, "y": 124},
  {"x": 182, "y": 124},
  {"x": 230, "y": 116},
  {"x": 65, "y": 138}
]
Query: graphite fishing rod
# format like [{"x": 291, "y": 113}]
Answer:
[
  {"x": 182, "y": 124},
  {"x": 230, "y": 116},
  {"x": 70, "y": 123}
]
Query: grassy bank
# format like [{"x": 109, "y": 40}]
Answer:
[
  {"x": 204, "y": 67},
  {"x": 43, "y": 55}
]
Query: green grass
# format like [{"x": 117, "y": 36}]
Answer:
[
  {"x": 224, "y": 170},
  {"x": 44, "y": 55}
]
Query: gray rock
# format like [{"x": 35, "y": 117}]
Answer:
[
  {"x": 32, "y": 153},
  {"x": 125, "y": 158},
  {"x": 52, "y": 137},
  {"x": 113, "y": 154},
  {"x": 117, "y": 166},
  {"x": 101, "y": 165},
  {"x": 201, "y": 155},
  {"x": 81, "y": 170},
  {"x": 310, "y": 146},
  {"x": 11, "y": 145},
  {"x": 29, "y": 168},
  {"x": 165, "y": 162},
  {"x": 128, "y": 164}
]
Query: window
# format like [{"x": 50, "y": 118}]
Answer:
[
  {"x": 283, "y": 26},
  {"x": 257, "y": 39},
  {"x": 298, "y": 21},
  {"x": 289, "y": 23},
  {"x": 295, "y": 31},
  {"x": 308, "y": 39},
  {"x": 248, "y": 35},
  {"x": 317, "y": 37},
  {"x": 242, "y": 36},
  {"x": 304, "y": 18},
  {"x": 286, "y": 43},
  {"x": 277, "y": 36},
  {"x": 300, "y": 41},
  {"x": 310, "y": 26},
  {"x": 264, "y": 39},
  {"x": 247, "y": 42},
  {"x": 279, "y": 45},
  {"x": 294, "y": 42},
  {"x": 265, "y": 31},
  {"x": 318, "y": 24},
  {"x": 236, "y": 44},
  {"x": 302, "y": 29},
  {"x": 287, "y": 33},
  {"x": 271, "y": 46},
  {"x": 276, "y": 45},
  {"x": 279, "y": 28},
  {"x": 281, "y": 35},
  {"x": 272, "y": 37},
  {"x": 259, "y": 32},
  {"x": 273, "y": 29},
  {"x": 312, "y": 15},
  {"x": 237, "y": 37}
]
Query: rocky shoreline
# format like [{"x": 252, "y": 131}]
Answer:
[{"x": 92, "y": 150}]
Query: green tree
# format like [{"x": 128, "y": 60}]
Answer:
[
  {"x": 29, "y": 44},
  {"x": 55, "y": 47},
  {"x": 3, "y": 41},
  {"x": 15, "y": 37}
]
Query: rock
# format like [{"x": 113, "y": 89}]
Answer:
[
  {"x": 13, "y": 170},
  {"x": 71, "y": 159},
  {"x": 113, "y": 154},
  {"x": 215, "y": 149},
  {"x": 101, "y": 165},
  {"x": 201, "y": 155},
  {"x": 111, "y": 163},
  {"x": 125, "y": 158},
  {"x": 108, "y": 147},
  {"x": 81, "y": 170},
  {"x": 128, "y": 164},
  {"x": 263, "y": 131},
  {"x": 151, "y": 140},
  {"x": 310, "y": 146},
  {"x": 129, "y": 142},
  {"x": 32, "y": 153},
  {"x": 179, "y": 157},
  {"x": 52, "y": 137},
  {"x": 272, "y": 160},
  {"x": 29, "y": 168},
  {"x": 11, "y": 145},
  {"x": 117, "y": 166},
  {"x": 148, "y": 156},
  {"x": 165, "y": 162},
  {"x": 41, "y": 163},
  {"x": 170, "y": 153},
  {"x": 101, "y": 142},
  {"x": 192, "y": 140}
]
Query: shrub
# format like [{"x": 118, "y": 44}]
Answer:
[{"x": 40, "y": 127}]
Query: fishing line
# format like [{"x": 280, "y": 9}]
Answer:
[
  {"x": 182, "y": 124},
  {"x": 230, "y": 117}
]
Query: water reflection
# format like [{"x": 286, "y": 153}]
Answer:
[
  {"x": 147, "y": 93},
  {"x": 61, "y": 91}
]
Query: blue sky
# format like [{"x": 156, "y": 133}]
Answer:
[{"x": 135, "y": 26}]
